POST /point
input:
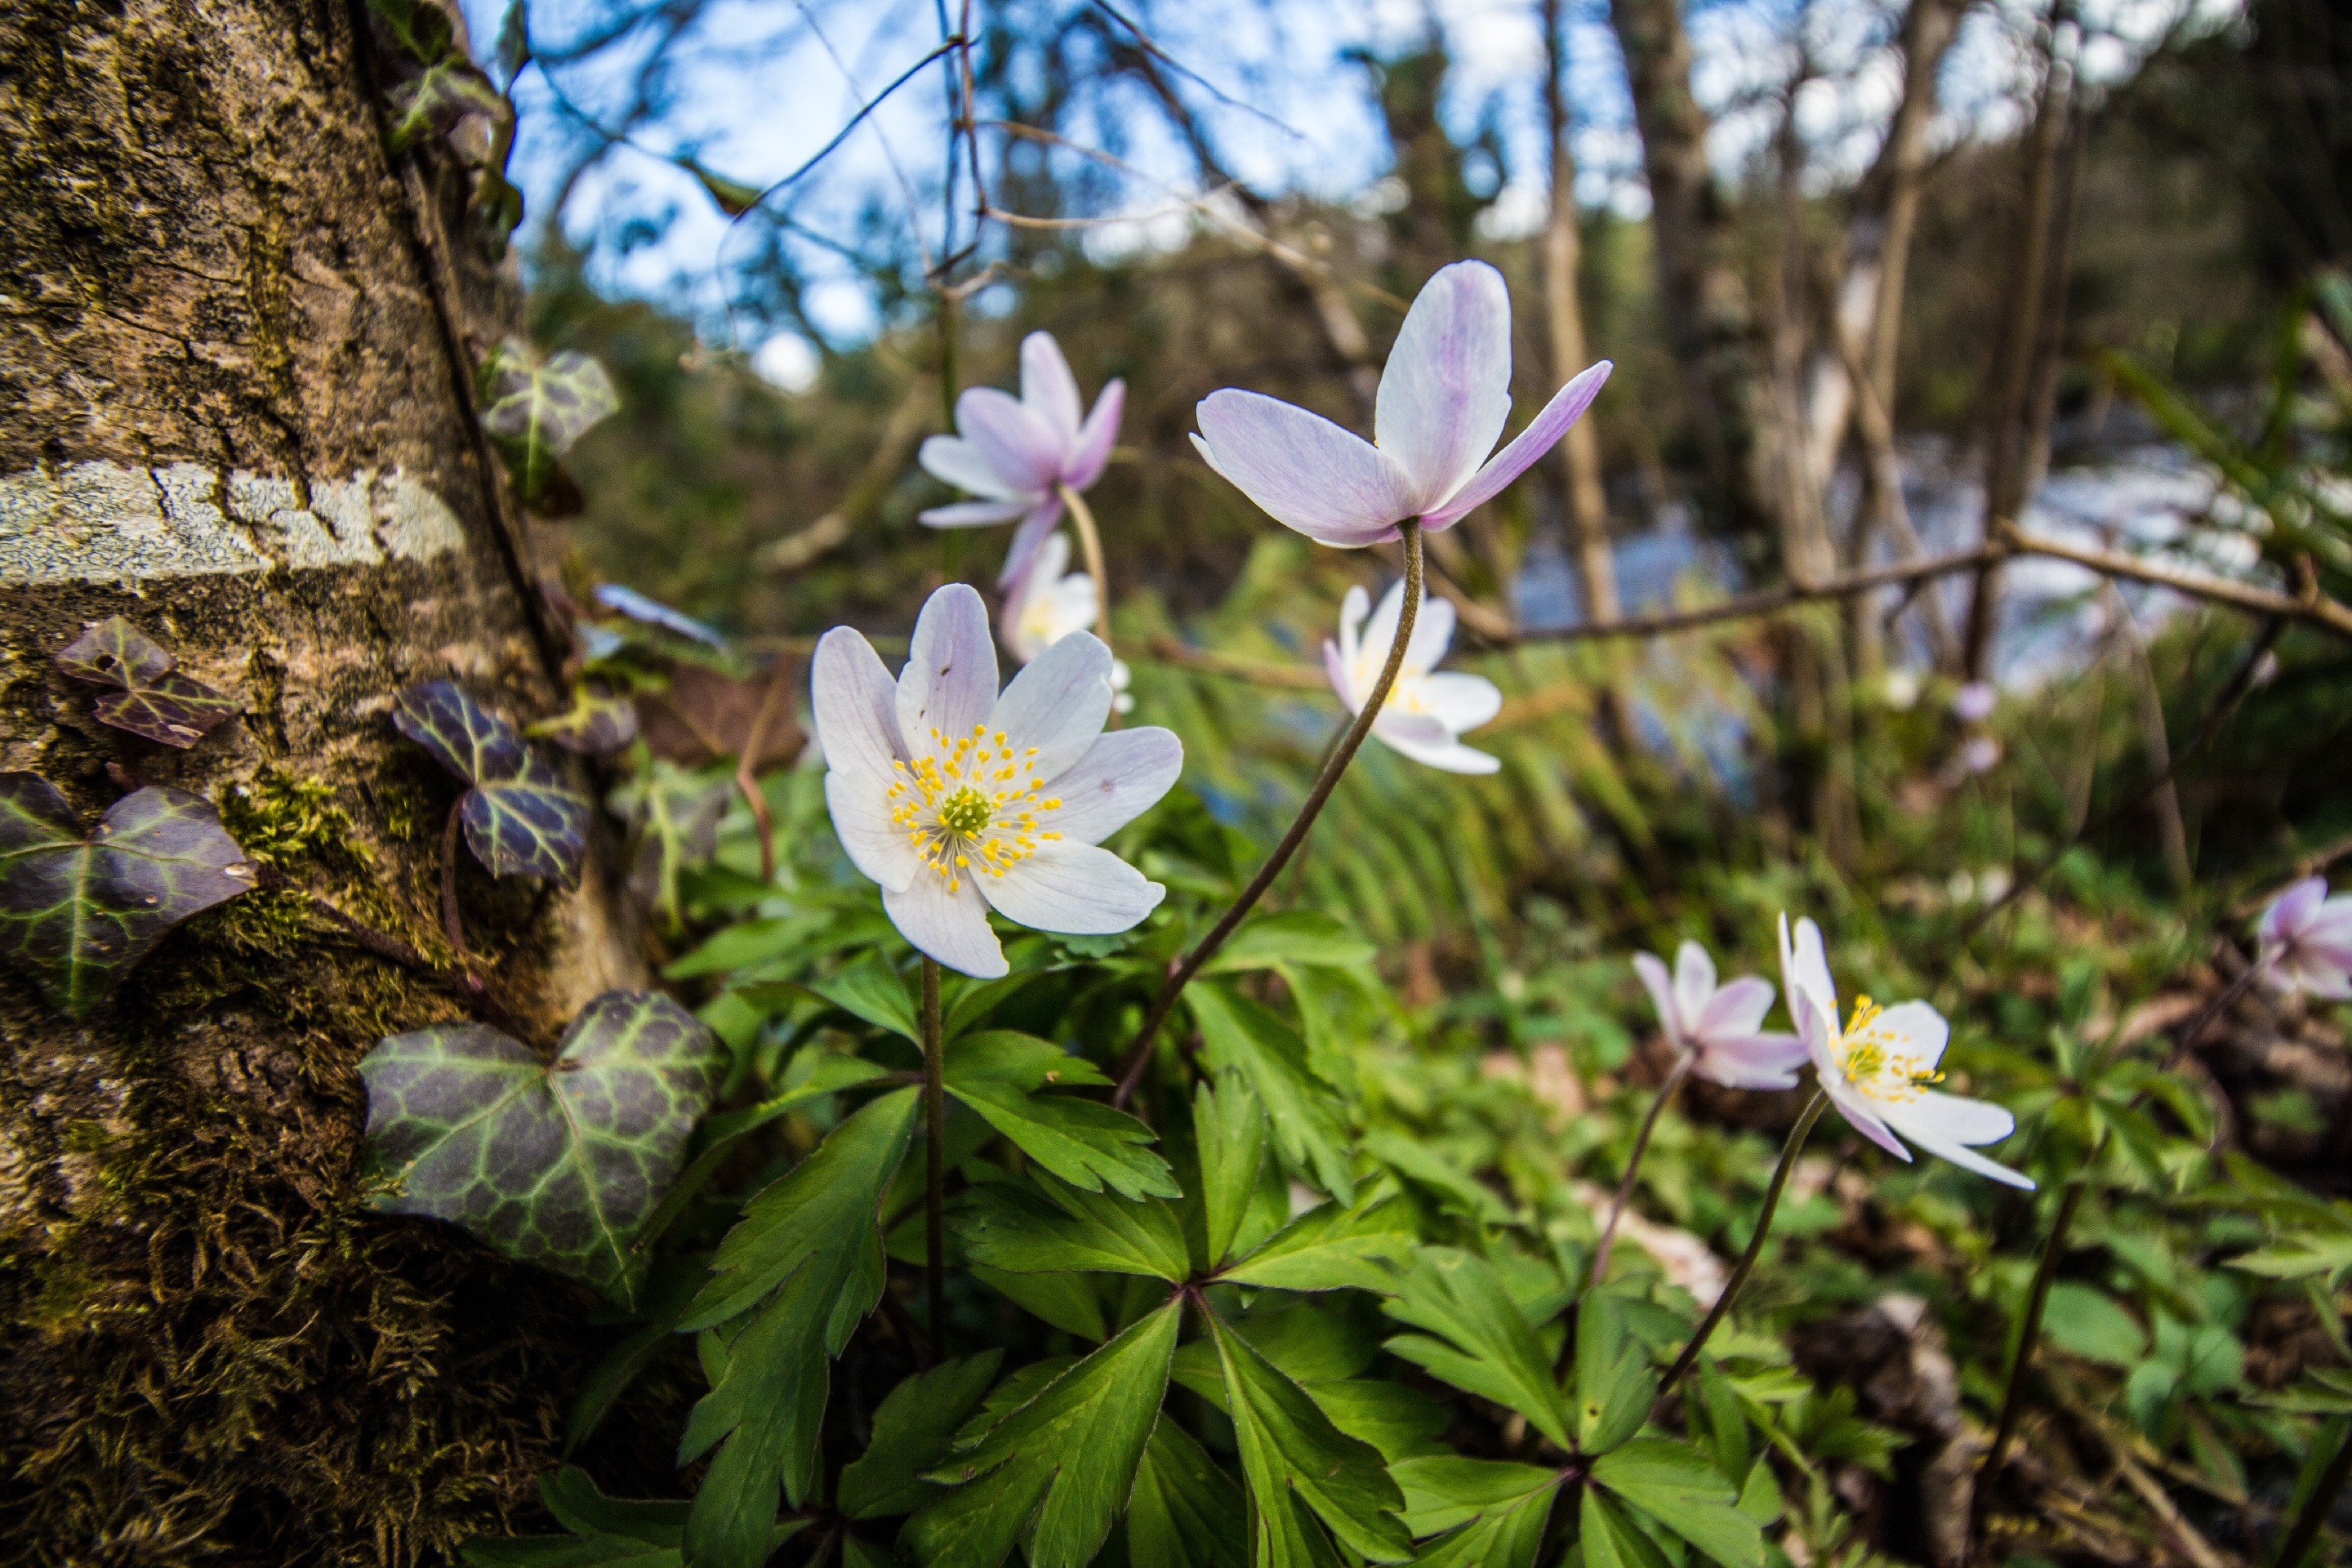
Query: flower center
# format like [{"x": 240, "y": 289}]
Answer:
[
  {"x": 972, "y": 799},
  {"x": 1874, "y": 1059}
]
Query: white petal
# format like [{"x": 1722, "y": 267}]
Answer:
[
  {"x": 1433, "y": 632},
  {"x": 950, "y": 680},
  {"x": 1079, "y": 888},
  {"x": 1058, "y": 703},
  {"x": 1451, "y": 756},
  {"x": 1928, "y": 1126},
  {"x": 855, "y": 703},
  {"x": 1460, "y": 702},
  {"x": 1336, "y": 670},
  {"x": 970, "y": 514},
  {"x": 1953, "y": 1118},
  {"x": 1738, "y": 1008},
  {"x": 1660, "y": 987},
  {"x": 1805, "y": 972},
  {"x": 1305, "y": 472},
  {"x": 1010, "y": 437},
  {"x": 1446, "y": 389},
  {"x": 1543, "y": 432},
  {"x": 1401, "y": 728},
  {"x": 1091, "y": 451},
  {"x": 1694, "y": 980},
  {"x": 1919, "y": 1029},
  {"x": 960, "y": 463},
  {"x": 951, "y": 926},
  {"x": 1751, "y": 1061},
  {"x": 2288, "y": 912},
  {"x": 1049, "y": 388},
  {"x": 1122, "y": 775},
  {"x": 861, "y": 820},
  {"x": 1353, "y": 608},
  {"x": 1021, "y": 555},
  {"x": 1861, "y": 1112}
]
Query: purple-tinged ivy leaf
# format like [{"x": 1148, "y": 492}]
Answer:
[
  {"x": 79, "y": 911},
  {"x": 521, "y": 819},
  {"x": 153, "y": 700},
  {"x": 556, "y": 1164},
  {"x": 595, "y": 725}
]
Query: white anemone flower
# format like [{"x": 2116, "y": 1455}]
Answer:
[
  {"x": 2306, "y": 939},
  {"x": 1054, "y": 603},
  {"x": 1016, "y": 454},
  {"x": 1878, "y": 1068},
  {"x": 1719, "y": 1027},
  {"x": 958, "y": 800},
  {"x": 1426, "y": 710}
]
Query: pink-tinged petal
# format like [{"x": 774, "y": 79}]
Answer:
[
  {"x": 2302, "y": 970},
  {"x": 1010, "y": 438},
  {"x": 1805, "y": 976},
  {"x": 1542, "y": 434},
  {"x": 1021, "y": 555},
  {"x": 1738, "y": 1008},
  {"x": 1693, "y": 980},
  {"x": 857, "y": 708},
  {"x": 1945, "y": 1124},
  {"x": 1077, "y": 888},
  {"x": 1448, "y": 756},
  {"x": 2290, "y": 909},
  {"x": 1091, "y": 451},
  {"x": 1305, "y": 472},
  {"x": 970, "y": 514},
  {"x": 875, "y": 844},
  {"x": 1861, "y": 1113},
  {"x": 1751, "y": 1061},
  {"x": 1660, "y": 987},
  {"x": 1122, "y": 775},
  {"x": 2331, "y": 922},
  {"x": 1432, "y": 632},
  {"x": 1049, "y": 388},
  {"x": 1335, "y": 669},
  {"x": 1446, "y": 389},
  {"x": 1058, "y": 703},
  {"x": 1461, "y": 701},
  {"x": 951, "y": 926},
  {"x": 958, "y": 462},
  {"x": 950, "y": 681},
  {"x": 1920, "y": 1030}
]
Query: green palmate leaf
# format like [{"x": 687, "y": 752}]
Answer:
[
  {"x": 536, "y": 409},
  {"x": 673, "y": 817},
  {"x": 1289, "y": 1449},
  {"x": 1069, "y": 1230},
  {"x": 2087, "y": 1322},
  {"x": 1331, "y": 1247},
  {"x": 1674, "y": 1484},
  {"x": 1477, "y": 1338},
  {"x": 1308, "y": 1119},
  {"x": 78, "y": 912},
  {"x": 556, "y": 1163},
  {"x": 1490, "y": 1514},
  {"x": 521, "y": 818},
  {"x": 1071, "y": 1302},
  {"x": 1229, "y": 1142},
  {"x": 1086, "y": 1144},
  {"x": 151, "y": 698},
  {"x": 1021, "y": 1061},
  {"x": 1184, "y": 1512},
  {"x": 791, "y": 1282},
  {"x": 2303, "y": 1255},
  {"x": 912, "y": 1429},
  {"x": 1293, "y": 936},
  {"x": 1615, "y": 1386},
  {"x": 872, "y": 990},
  {"x": 1059, "y": 1467},
  {"x": 1610, "y": 1538},
  {"x": 595, "y": 725},
  {"x": 607, "y": 1533},
  {"x": 723, "y": 1131}
]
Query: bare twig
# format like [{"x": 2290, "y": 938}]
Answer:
[
  {"x": 453, "y": 923},
  {"x": 747, "y": 782}
]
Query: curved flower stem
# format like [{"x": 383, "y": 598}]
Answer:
[
  {"x": 1138, "y": 1051},
  {"x": 1747, "y": 1264},
  {"x": 2037, "y": 1298},
  {"x": 1090, "y": 549},
  {"x": 935, "y": 1157},
  {"x": 1633, "y": 1165}
]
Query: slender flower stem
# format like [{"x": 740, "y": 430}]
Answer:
[
  {"x": 2305, "y": 1531},
  {"x": 1633, "y": 1164},
  {"x": 2212, "y": 1010},
  {"x": 2037, "y": 1298},
  {"x": 1747, "y": 1264},
  {"x": 1090, "y": 549},
  {"x": 1138, "y": 1051},
  {"x": 935, "y": 1157}
]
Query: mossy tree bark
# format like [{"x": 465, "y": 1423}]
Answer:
[{"x": 236, "y": 340}]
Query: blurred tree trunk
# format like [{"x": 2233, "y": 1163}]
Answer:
[{"x": 236, "y": 345}]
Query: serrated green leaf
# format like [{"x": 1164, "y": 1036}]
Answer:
[
  {"x": 151, "y": 700},
  {"x": 573, "y": 1498},
  {"x": 1229, "y": 1143},
  {"x": 1495, "y": 1512},
  {"x": 1403, "y": 1422},
  {"x": 2302, "y": 1255},
  {"x": 1308, "y": 1119},
  {"x": 535, "y": 410},
  {"x": 1615, "y": 1386},
  {"x": 1289, "y": 1447},
  {"x": 1057, "y": 1469},
  {"x": 872, "y": 990},
  {"x": 1086, "y": 1144},
  {"x": 521, "y": 818},
  {"x": 1069, "y": 1301},
  {"x": 556, "y": 1164},
  {"x": 912, "y": 1428},
  {"x": 1070, "y": 1231},
  {"x": 1186, "y": 1511},
  {"x": 1023, "y": 1061},
  {"x": 1483, "y": 1343},
  {"x": 79, "y": 912},
  {"x": 2087, "y": 1322},
  {"x": 722, "y": 1132},
  {"x": 1293, "y": 936},
  {"x": 1674, "y": 1484},
  {"x": 1331, "y": 1247},
  {"x": 1609, "y": 1539}
]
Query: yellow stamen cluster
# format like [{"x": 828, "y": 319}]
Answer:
[
  {"x": 974, "y": 798},
  {"x": 1873, "y": 1061}
]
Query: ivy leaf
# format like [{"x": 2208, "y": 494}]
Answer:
[
  {"x": 152, "y": 700},
  {"x": 1185, "y": 1513},
  {"x": 912, "y": 1428},
  {"x": 79, "y": 911},
  {"x": 1006, "y": 1227},
  {"x": 1494, "y": 1511},
  {"x": 536, "y": 409},
  {"x": 447, "y": 92},
  {"x": 791, "y": 1282},
  {"x": 1332, "y": 1247},
  {"x": 1084, "y": 1144},
  {"x": 1059, "y": 1467},
  {"x": 1289, "y": 1449},
  {"x": 521, "y": 819},
  {"x": 1310, "y": 1123},
  {"x": 1673, "y": 1485},
  {"x": 1615, "y": 1384},
  {"x": 1477, "y": 1338},
  {"x": 556, "y": 1163},
  {"x": 596, "y": 724}
]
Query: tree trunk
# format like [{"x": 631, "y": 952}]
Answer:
[
  {"x": 1587, "y": 504},
  {"x": 237, "y": 370}
]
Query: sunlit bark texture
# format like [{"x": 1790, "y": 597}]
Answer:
[{"x": 233, "y": 346}]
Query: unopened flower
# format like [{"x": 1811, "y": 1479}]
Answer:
[
  {"x": 1719, "y": 1026},
  {"x": 2306, "y": 939},
  {"x": 1445, "y": 397},
  {"x": 1052, "y": 604},
  {"x": 1016, "y": 454},
  {"x": 1879, "y": 1069},
  {"x": 1426, "y": 712},
  {"x": 957, "y": 800}
]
